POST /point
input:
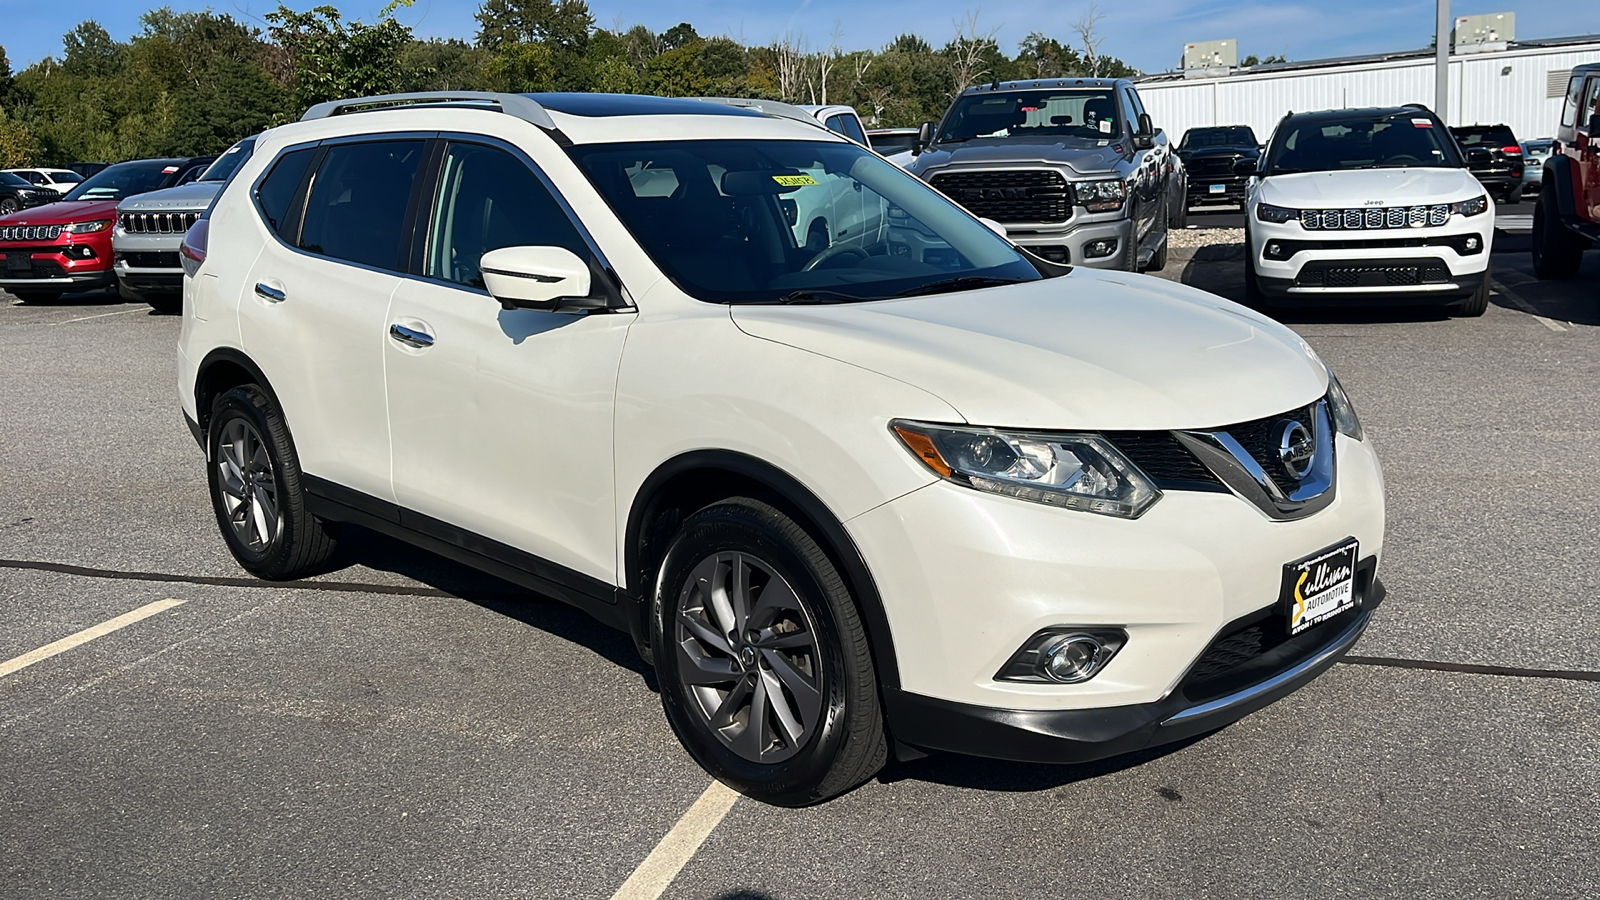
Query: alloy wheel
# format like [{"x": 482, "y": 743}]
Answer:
[
  {"x": 248, "y": 485},
  {"x": 7, "y": 206},
  {"x": 748, "y": 658}
]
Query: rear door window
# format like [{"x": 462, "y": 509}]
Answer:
[{"x": 357, "y": 205}]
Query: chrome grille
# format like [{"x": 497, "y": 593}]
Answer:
[
  {"x": 1374, "y": 218},
  {"x": 30, "y": 232},
  {"x": 158, "y": 223}
]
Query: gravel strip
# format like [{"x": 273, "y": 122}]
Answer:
[{"x": 1205, "y": 237}]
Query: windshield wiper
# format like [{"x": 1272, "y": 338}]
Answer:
[
  {"x": 822, "y": 296},
  {"x": 961, "y": 283}
]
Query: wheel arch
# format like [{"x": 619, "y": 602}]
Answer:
[
  {"x": 1558, "y": 176},
  {"x": 222, "y": 370},
  {"x": 694, "y": 480}
]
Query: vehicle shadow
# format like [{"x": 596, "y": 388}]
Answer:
[
  {"x": 360, "y": 546},
  {"x": 953, "y": 770},
  {"x": 103, "y": 297}
]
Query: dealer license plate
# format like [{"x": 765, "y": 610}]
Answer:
[
  {"x": 1319, "y": 587},
  {"x": 1219, "y": 189}
]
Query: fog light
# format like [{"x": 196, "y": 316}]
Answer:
[
  {"x": 1098, "y": 249},
  {"x": 1275, "y": 250},
  {"x": 80, "y": 251},
  {"x": 1064, "y": 655},
  {"x": 1472, "y": 243}
]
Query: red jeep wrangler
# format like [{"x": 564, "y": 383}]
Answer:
[{"x": 1567, "y": 221}]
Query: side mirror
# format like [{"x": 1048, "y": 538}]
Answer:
[
  {"x": 1144, "y": 136},
  {"x": 1478, "y": 156},
  {"x": 1244, "y": 168},
  {"x": 547, "y": 278},
  {"x": 924, "y": 138},
  {"x": 993, "y": 226}
]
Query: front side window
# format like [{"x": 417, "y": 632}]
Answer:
[
  {"x": 850, "y": 127},
  {"x": 1591, "y": 102},
  {"x": 1322, "y": 144},
  {"x": 1055, "y": 113},
  {"x": 357, "y": 204},
  {"x": 65, "y": 177},
  {"x": 489, "y": 199},
  {"x": 752, "y": 221},
  {"x": 1569, "y": 109},
  {"x": 35, "y": 177}
]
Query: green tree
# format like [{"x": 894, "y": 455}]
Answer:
[
  {"x": 442, "y": 65},
  {"x": 333, "y": 60},
  {"x": 562, "y": 24}
]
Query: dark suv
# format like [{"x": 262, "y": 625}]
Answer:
[
  {"x": 1212, "y": 155},
  {"x": 1567, "y": 221},
  {"x": 1500, "y": 166}
]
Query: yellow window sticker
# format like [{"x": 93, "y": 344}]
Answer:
[{"x": 794, "y": 180}]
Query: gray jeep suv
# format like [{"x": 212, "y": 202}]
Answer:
[
  {"x": 150, "y": 229},
  {"x": 1072, "y": 167}
]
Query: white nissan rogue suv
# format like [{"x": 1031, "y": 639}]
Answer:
[
  {"x": 1367, "y": 206},
  {"x": 920, "y": 491}
]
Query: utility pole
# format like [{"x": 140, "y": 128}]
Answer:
[{"x": 1441, "y": 63}]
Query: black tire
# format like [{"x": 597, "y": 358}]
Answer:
[
  {"x": 1253, "y": 297},
  {"x": 1474, "y": 305},
  {"x": 296, "y": 543},
  {"x": 8, "y": 206},
  {"x": 1557, "y": 252},
  {"x": 1512, "y": 197},
  {"x": 841, "y": 742},
  {"x": 1158, "y": 260},
  {"x": 167, "y": 304},
  {"x": 1178, "y": 219},
  {"x": 37, "y": 296}
]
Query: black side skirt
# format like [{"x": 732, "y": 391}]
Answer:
[{"x": 341, "y": 504}]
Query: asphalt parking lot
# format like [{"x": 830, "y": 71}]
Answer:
[{"x": 403, "y": 726}]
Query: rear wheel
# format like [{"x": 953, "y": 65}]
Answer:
[
  {"x": 762, "y": 658},
  {"x": 256, "y": 491},
  {"x": 1557, "y": 252},
  {"x": 1474, "y": 305}
]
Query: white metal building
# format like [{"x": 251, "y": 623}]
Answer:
[{"x": 1521, "y": 86}]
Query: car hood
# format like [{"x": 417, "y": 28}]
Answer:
[
  {"x": 63, "y": 212},
  {"x": 1083, "y": 155},
  {"x": 193, "y": 196},
  {"x": 1356, "y": 187},
  {"x": 1091, "y": 349}
]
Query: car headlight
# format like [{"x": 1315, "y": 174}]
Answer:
[
  {"x": 1344, "y": 415},
  {"x": 88, "y": 227},
  {"x": 1075, "y": 471},
  {"x": 1277, "y": 215},
  {"x": 1475, "y": 206},
  {"x": 1101, "y": 196}
]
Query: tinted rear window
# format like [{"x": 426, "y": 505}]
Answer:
[
  {"x": 356, "y": 208},
  {"x": 277, "y": 190},
  {"x": 1484, "y": 137},
  {"x": 1218, "y": 137}
]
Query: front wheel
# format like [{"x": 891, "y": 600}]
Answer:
[
  {"x": 256, "y": 491},
  {"x": 1511, "y": 197},
  {"x": 765, "y": 672},
  {"x": 1557, "y": 252},
  {"x": 1474, "y": 305},
  {"x": 8, "y": 206}
]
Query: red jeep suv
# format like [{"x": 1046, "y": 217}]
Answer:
[
  {"x": 66, "y": 246},
  {"x": 1567, "y": 221}
]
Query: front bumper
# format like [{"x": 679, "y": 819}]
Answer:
[
  {"x": 1068, "y": 243},
  {"x": 1445, "y": 263},
  {"x": 1201, "y": 190},
  {"x": 1083, "y": 735}
]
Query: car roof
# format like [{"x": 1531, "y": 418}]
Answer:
[
  {"x": 1045, "y": 84},
  {"x": 1371, "y": 112}
]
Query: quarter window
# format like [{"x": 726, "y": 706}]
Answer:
[
  {"x": 277, "y": 190},
  {"x": 357, "y": 206},
  {"x": 1569, "y": 110},
  {"x": 489, "y": 199}
]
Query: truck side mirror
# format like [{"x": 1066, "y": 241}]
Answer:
[
  {"x": 1144, "y": 137},
  {"x": 924, "y": 138}
]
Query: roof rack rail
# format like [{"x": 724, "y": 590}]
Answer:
[
  {"x": 519, "y": 105},
  {"x": 770, "y": 107}
]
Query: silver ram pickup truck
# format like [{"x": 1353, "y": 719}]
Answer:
[
  {"x": 150, "y": 229},
  {"x": 1072, "y": 167}
]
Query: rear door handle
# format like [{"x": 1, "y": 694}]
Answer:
[
  {"x": 270, "y": 294},
  {"x": 411, "y": 337}
]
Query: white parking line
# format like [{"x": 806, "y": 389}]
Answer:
[
  {"x": 85, "y": 636},
  {"x": 120, "y": 312},
  {"x": 676, "y": 849},
  {"x": 1525, "y": 306}
]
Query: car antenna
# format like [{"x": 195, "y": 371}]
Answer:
[{"x": 994, "y": 83}]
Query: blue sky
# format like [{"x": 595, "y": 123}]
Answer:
[{"x": 1147, "y": 33}]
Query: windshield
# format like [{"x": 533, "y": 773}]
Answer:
[
  {"x": 124, "y": 180},
  {"x": 1195, "y": 138},
  {"x": 1079, "y": 113},
  {"x": 1325, "y": 144},
  {"x": 762, "y": 221},
  {"x": 229, "y": 162},
  {"x": 10, "y": 180}
]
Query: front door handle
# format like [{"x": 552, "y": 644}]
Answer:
[
  {"x": 270, "y": 294},
  {"x": 411, "y": 337}
]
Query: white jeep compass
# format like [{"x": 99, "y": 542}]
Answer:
[
  {"x": 1367, "y": 206},
  {"x": 911, "y": 491}
]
